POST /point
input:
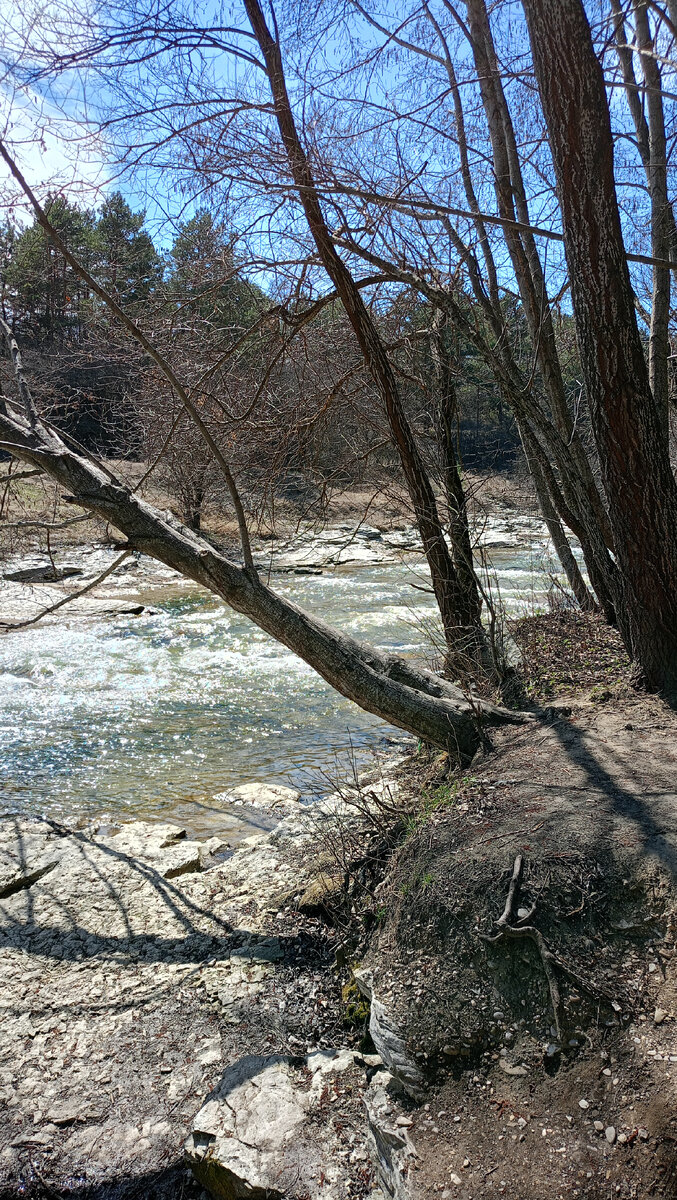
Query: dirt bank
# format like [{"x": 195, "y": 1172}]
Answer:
[{"x": 546, "y": 1036}]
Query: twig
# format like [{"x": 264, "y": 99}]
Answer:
[
  {"x": 513, "y": 890},
  {"x": 67, "y": 599}
]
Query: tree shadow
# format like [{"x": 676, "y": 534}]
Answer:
[
  {"x": 173, "y": 1182},
  {"x": 624, "y": 790}
]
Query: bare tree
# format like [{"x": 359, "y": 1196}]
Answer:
[{"x": 630, "y": 439}]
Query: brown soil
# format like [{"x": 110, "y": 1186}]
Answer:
[{"x": 517, "y": 1107}]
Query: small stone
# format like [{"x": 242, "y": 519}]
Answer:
[
  {"x": 622, "y": 1138},
  {"x": 653, "y": 967},
  {"x": 610, "y": 1134},
  {"x": 643, "y": 1134},
  {"x": 583, "y": 1104},
  {"x": 404, "y": 1122},
  {"x": 599, "y": 1126},
  {"x": 466, "y": 1161},
  {"x": 456, "y": 1179},
  {"x": 659, "y": 1016},
  {"x": 509, "y": 1069}
]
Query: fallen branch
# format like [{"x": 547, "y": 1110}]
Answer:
[
  {"x": 17, "y": 475},
  {"x": 50, "y": 525}
]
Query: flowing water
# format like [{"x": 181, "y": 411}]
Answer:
[{"x": 157, "y": 715}]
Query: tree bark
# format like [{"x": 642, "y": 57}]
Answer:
[{"x": 636, "y": 472}]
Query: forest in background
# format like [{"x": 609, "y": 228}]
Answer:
[{"x": 199, "y": 299}]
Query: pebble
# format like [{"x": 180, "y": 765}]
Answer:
[
  {"x": 622, "y": 1138},
  {"x": 610, "y": 1134},
  {"x": 455, "y": 1178},
  {"x": 583, "y": 1104},
  {"x": 659, "y": 1016},
  {"x": 599, "y": 1126}
]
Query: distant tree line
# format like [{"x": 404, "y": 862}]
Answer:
[{"x": 197, "y": 298}]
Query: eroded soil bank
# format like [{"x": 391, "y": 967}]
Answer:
[{"x": 350, "y": 973}]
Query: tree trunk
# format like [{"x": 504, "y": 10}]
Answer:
[
  {"x": 445, "y": 584},
  {"x": 638, "y": 480},
  {"x": 445, "y": 418},
  {"x": 554, "y": 526},
  {"x": 411, "y": 698}
]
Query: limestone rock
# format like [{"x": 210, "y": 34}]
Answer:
[
  {"x": 263, "y": 795},
  {"x": 388, "y": 1040},
  {"x": 320, "y": 891},
  {"x": 265, "y": 1129},
  {"x": 392, "y": 1148},
  {"x": 162, "y": 846}
]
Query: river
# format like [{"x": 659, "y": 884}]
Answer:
[{"x": 158, "y": 715}]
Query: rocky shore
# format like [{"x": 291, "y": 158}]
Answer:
[
  {"x": 136, "y": 968},
  {"x": 334, "y": 1010}
]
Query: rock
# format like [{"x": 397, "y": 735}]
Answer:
[
  {"x": 388, "y": 1040},
  {"x": 162, "y": 846},
  {"x": 43, "y": 574},
  {"x": 610, "y": 1134},
  {"x": 583, "y": 1104},
  {"x": 622, "y": 1138},
  {"x": 263, "y": 1132},
  {"x": 598, "y": 1126},
  {"x": 263, "y": 795},
  {"x": 643, "y": 1135},
  {"x": 392, "y": 1149},
  {"x": 659, "y": 1016},
  {"x": 391, "y": 1046},
  {"x": 455, "y": 1179},
  {"x": 364, "y": 980},
  {"x": 320, "y": 891},
  {"x": 509, "y": 1069}
]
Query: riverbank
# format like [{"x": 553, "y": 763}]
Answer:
[
  {"x": 135, "y": 967},
  {"x": 351, "y": 972}
]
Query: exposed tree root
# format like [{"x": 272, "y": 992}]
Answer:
[{"x": 551, "y": 962}]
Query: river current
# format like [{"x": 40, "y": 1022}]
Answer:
[{"x": 158, "y": 715}]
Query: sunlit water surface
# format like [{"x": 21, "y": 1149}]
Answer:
[{"x": 157, "y": 715}]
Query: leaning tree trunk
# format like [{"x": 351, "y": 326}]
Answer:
[
  {"x": 413, "y": 699},
  {"x": 636, "y": 472}
]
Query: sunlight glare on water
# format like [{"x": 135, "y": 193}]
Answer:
[{"x": 157, "y": 714}]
